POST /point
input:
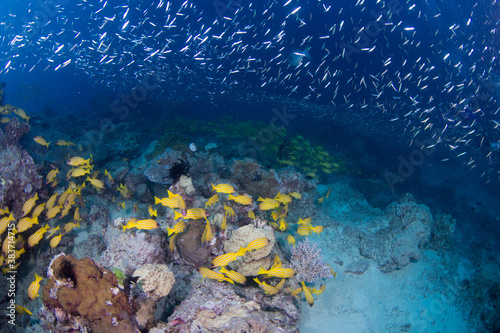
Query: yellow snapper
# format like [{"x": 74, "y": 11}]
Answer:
[
  {"x": 257, "y": 244},
  {"x": 223, "y": 188},
  {"x": 22, "y": 310},
  {"x": 77, "y": 161},
  {"x": 98, "y": 184},
  {"x": 229, "y": 211},
  {"x": 225, "y": 259},
  {"x": 37, "y": 236},
  {"x": 307, "y": 294},
  {"x": 291, "y": 240},
  {"x": 303, "y": 230},
  {"x": 152, "y": 212},
  {"x": 147, "y": 224},
  {"x": 55, "y": 241},
  {"x": 29, "y": 204},
  {"x": 25, "y": 223},
  {"x": 192, "y": 214},
  {"x": 213, "y": 199},
  {"x": 208, "y": 273},
  {"x": 241, "y": 199},
  {"x": 70, "y": 226},
  {"x": 51, "y": 175},
  {"x": 34, "y": 287},
  {"x": 207, "y": 233},
  {"x": 38, "y": 210},
  {"x": 41, "y": 141},
  {"x": 233, "y": 275},
  {"x": 268, "y": 289},
  {"x": 4, "y": 222},
  {"x": 280, "y": 272},
  {"x": 177, "y": 228}
]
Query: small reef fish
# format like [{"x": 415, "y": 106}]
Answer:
[
  {"x": 25, "y": 223},
  {"x": 70, "y": 226},
  {"x": 268, "y": 289},
  {"x": 4, "y": 211},
  {"x": 122, "y": 205},
  {"x": 107, "y": 174},
  {"x": 41, "y": 141},
  {"x": 291, "y": 240},
  {"x": 37, "y": 236},
  {"x": 65, "y": 143},
  {"x": 152, "y": 212},
  {"x": 38, "y": 210},
  {"x": 328, "y": 193},
  {"x": 296, "y": 195},
  {"x": 251, "y": 215},
  {"x": 229, "y": 211},
  {"x": 76, "y": 215},
  {"x": 283, "y": 198},
  {"x": 177, "y": 228},
  {"x": 233, "y": 275},
  {"x": 307, "y": 294},
  {"x": 124, "y": 191},
  {"x": 77, "y": 161},
  {"x": 34, "y": 287},
  {"x": 207, "y": 233},
  {"x": 51, "y": 213},
  {"x": 98, "y": 184},
  {"x": 51, "y": 201},
  {"x": 192, "y": 214},
  {"x": 318, "y": 291},
  {"x": 78, "y": 172},
  {"x": 241, "y": 199},
  {"x": 29, "y": 204},
  {"x": 213, "y": 199},
  {"x": 320, "y": 200},
  {"x": 55, "y": 241},
  {"x": 4, "y": 222},
  {"x": 22, "y": 310},
  {"x": 303, "y": 230},
  {"x": 306, "y": 221},
  {"x": 223, "y": 188},
  {"x": 283, "y": 225},
  {"x": 52, "y": 231},
  {"x": 225, "y": 259},
  {"x": 279, "y": 271},
  {"x": 318, "y": 229},
  {"x": 147, "y": 224},
  {"x": 257, "y": 244},
  {"x": 210, "y": 274},
  {"x": 51, "y": 175}
]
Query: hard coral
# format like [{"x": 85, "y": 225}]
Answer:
[
  {"x": 14, "y": 130},
  {"x": 80, "y": 289},
  {"x": 308, "y": 262},
  {"x": 157, "y": 280}
]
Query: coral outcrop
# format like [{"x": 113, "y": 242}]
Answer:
[
  {"x": 253, "y": 260},
  {"x": 82, "y": 295},
  {"x": 19, "y": 179},
  {"x": 128, "y": 251}
]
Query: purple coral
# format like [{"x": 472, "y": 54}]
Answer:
[{"x": 307, "y": 261}]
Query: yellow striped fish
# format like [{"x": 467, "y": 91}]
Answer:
[
  {"x": 22, "y": 310},
  {"x": 37, "y": 236},
  {"x": 70, "y": 226},
  {"x": 4, "y": 222},
  {"x": 213, "y": 199},
  {"x": 51, "y": 213},
  {"x": 25, "y": 223},
  {"x": 210, "y": 274},
  {"x": 38, "y": 210},
  {"x": 177, "y": 228},
  {"x": 268, "y": 289},
  {"x": 34, "y": 287},
  {"x": 29, "y": 204},
  {"x": 257, "y": 244},
  {"x": 51, "y": 202},
  {"x": 55, "y": 241},
  {"x": 207, "y": 233},
  {"x": 280, "y": 272},
  {"x": 224, "y": 259},
  {"x": 307, "y": 294},
  {"x": 233, "y": 275}
]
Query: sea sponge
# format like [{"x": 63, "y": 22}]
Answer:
[{"x": 157, "y": 279}]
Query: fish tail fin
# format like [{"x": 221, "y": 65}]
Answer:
[
  {"x": 213, "y": 187},
  {"x": 124, "y": 227},
  {"x": 38, "y": 278},
  {"x": 177, "y": 215},
  {"x": 157, "y": 200},
  {"x": 170, "y": 231}
]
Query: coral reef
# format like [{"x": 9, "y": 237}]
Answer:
[
  {"x": 216, "y": 307},
  {"x": 156, "y": 280},
  {"x": 253, "y": 260},
  {"x": 81, "y": 295},
  {"x": 19, "y": 179},
  {"x": 128, "y": 251},
  {"x": 307, "y": 261}
]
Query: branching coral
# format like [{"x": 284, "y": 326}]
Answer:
[{"x": 307, "y": 261}]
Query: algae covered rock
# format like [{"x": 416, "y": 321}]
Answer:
[
  {"x": 157, "y": 280},
  {"x": 80, "y": 291}
]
